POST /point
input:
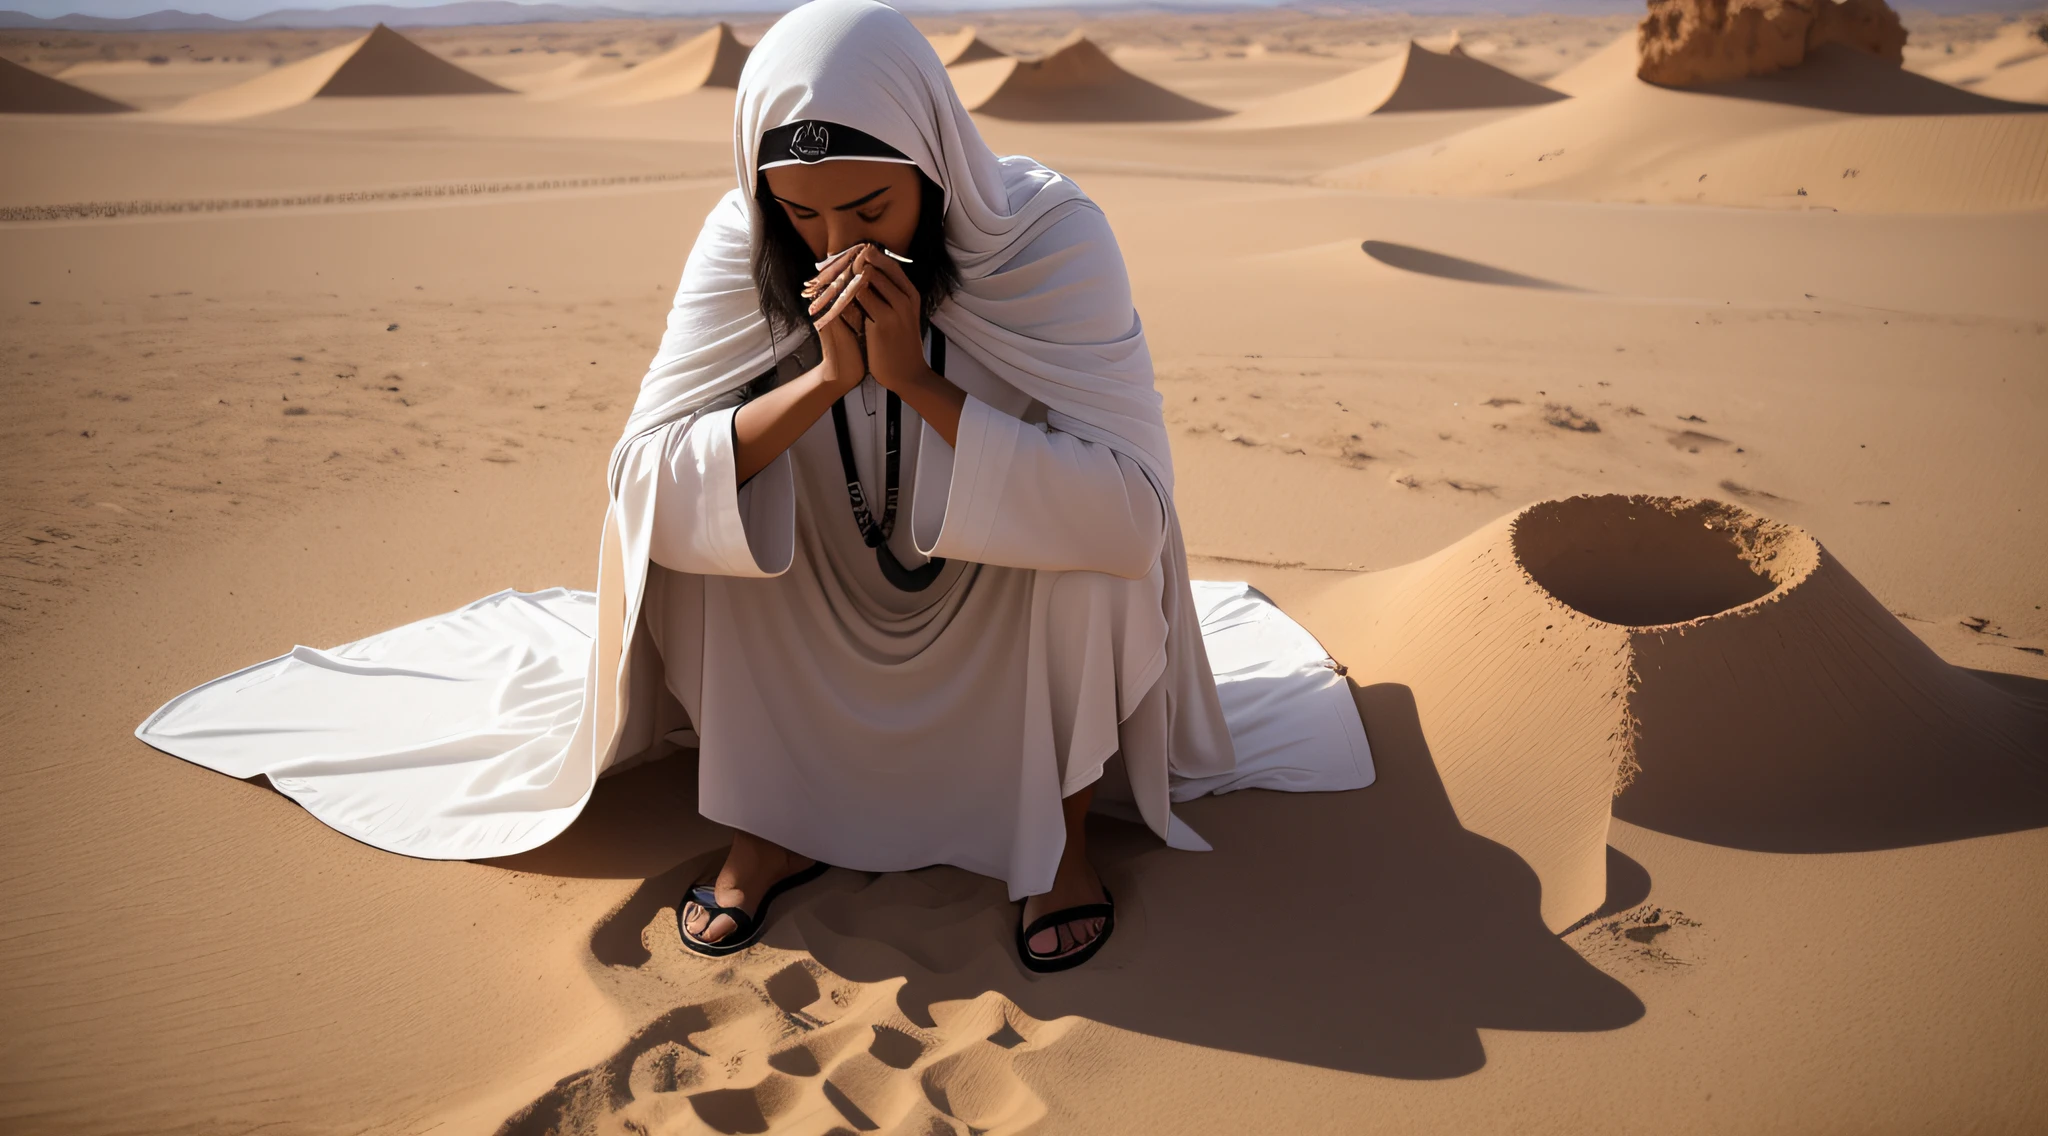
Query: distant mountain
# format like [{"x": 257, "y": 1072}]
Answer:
[
  {"x": 460, "y": 14},
  {"x": 164, "y": 21},
  {"x": 463, "y": 13}
]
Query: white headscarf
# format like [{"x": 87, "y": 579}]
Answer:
[{"x": 1038, "y": 327}]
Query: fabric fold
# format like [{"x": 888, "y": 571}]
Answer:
[
  {"x": 705, "y": 522},
  {"x": 1022, "y": 496},
  {"x": 451, "y": 737}
]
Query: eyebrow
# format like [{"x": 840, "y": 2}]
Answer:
[{"x": 855, "y": 204}]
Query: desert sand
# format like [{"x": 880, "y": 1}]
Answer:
[
  {"x": 24, "y": 91},
  {"x": 1683, "y": 538}
]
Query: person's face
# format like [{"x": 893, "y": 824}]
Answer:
[{"x": 836, "y": 205}]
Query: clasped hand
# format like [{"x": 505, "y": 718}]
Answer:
[{"x": 868, "y": 316}]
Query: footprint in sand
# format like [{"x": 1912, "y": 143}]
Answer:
[
  {"x": 1644, "y": 940},
  {"x": 791, "y": 1046},
  {"x": 1565, "y": 418},
  {"x": 1748, "y": 493},
  {"x": 1693, "y": 441}
]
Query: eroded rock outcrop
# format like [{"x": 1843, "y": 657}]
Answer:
[{"x": 1689, "y": 43}]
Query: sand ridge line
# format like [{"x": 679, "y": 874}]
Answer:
[
  {"x": 1109, "y": 168},
  {"x": 100, "y": 210}
]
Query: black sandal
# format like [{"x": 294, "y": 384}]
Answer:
[
  {"x": 1050, "y": 964},
  {"x": 747, "y": 929}
]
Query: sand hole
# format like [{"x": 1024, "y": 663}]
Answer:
[{"x": 1646, "y": 561}]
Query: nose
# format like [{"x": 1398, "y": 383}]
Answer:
[{"x": 844, "y": 230}]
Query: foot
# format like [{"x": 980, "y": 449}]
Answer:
[
  {"x": 752, "y": 867},
  {"x": 1074, "y": 885}
]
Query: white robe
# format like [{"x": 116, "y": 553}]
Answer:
[{"x": 880, "y": 729}]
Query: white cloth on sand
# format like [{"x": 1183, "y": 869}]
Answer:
[{"x": 444, "y": 738}]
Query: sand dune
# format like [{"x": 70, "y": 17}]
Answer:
[
  {"x": 1615, "y": 63},
  {"x": 2012, "y": 65},
  {"x": 1076, "y": 82},
  {"x": 381, "y": 64},
  {"x": 1841, "y": 131},
  {"x": 529, "y": 74},
  {"x": 1720, "y": 672},
  {"x": 2025, "y": 81},
  {"x": 713, "y": 59},
  {"x": 1844, "y": 79},
  {"x": 1418, "y": 79},
  {"x": 2014, "y": 44},
  {"x": 964, "y": 46},
  {"x": 23, "y": 91},
  {"x": 156, "y": 86}
]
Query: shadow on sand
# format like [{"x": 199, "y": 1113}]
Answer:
[
  {"x": 1366, "y": 931},
  {"x": 1830, "y": 780},
  {"x": 1408, "y": 258},
  {"x": 1842, "y": 79}
]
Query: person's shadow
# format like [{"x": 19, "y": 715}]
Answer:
[{"x": 1364, "y": 931}]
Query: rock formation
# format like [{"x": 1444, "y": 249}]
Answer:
[{"x": 1690, "y": 43}]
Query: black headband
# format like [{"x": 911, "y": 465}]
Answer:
[{"x": 811, "y": 141}]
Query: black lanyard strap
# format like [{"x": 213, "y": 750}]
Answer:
[{"x": 876, "y": 534}]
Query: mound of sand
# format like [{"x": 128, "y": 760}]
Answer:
[
  {"x": 382, "y": 64},
  {"x": 2011, "y": 65},
  {"x": 964, "y": 46},
  {"x": 1418, "y": 79},
  {"x": 1842, "y": 131},
  {"x": 529, "y": 74},
  {"x": 1076, "y": 82},
  {"x": 1691, "y": 43},
  {"x": 1615, "y": 63},
  {"x": 149, "y": 86},
  {"x": 2025, "y": 82},
  {"x": 1692, "y": 667},
  {"x": 23, "y": 91},
  {"x": 713, "y": 59},
  {"x": 2014, "y": 44}
]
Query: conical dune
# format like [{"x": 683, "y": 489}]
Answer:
[
  {"x": 379, "y": 65},
  {"x": 1720, "y": 671},
  {"x": 1842, "y": 131},
  {"x": 964, "y": 46},
  {"x": 1077, "y": 82},
  {"x": 1417, "y": 79},
  {"x": 713, "y": 59},
  {"x": 23, "y": 91}
]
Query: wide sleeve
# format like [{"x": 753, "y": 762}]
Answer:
[
  {"x": 705, "y": 521},
  {"x": 1025, "y": 496}
]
